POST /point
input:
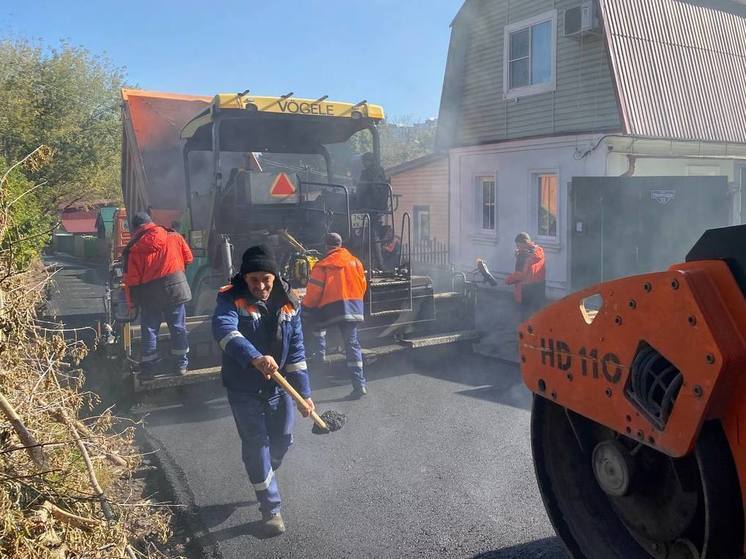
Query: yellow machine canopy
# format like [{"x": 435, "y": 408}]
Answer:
[{"x": 247, "y": 123}]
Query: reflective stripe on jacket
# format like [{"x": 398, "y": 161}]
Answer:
[
  {"x": 336, "y": 289},
  {"x": 237, "y": 327},
  {"x": 530, "y": 271}
]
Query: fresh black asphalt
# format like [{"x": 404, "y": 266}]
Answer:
[{"x": 435, "y": 462}]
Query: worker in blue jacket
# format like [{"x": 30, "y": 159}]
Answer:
[{"x": 257, "y": 325}]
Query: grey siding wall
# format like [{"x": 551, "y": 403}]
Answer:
[{"x": 475, "y": 108}]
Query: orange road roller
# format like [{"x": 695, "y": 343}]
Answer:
[{"x": 638, "y": 426}]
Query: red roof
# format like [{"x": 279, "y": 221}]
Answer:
[{"x": 79, "y": 222}]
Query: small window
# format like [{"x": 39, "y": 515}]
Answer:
[
  {"x": 530, "y": 56},
  {"x": 421, "y": 218},
  {"x": 486, "y": 203},
  {"x": 548, "y": 206}
]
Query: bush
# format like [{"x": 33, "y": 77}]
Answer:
[{"x": 26, "y": 226}]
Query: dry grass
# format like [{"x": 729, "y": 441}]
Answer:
[
  {"x": 64, "y": 477},
  {"x": 50, "y": 506}
]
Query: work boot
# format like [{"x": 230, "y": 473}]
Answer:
[
  {"x": 272, "y": 524},
  {"x": 358, "y": 392}
]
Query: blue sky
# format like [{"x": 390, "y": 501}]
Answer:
[{"x": 390, "y": 52}]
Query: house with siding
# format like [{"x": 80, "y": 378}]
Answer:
[
  {"x": 613, "y": 131},
  {"x": 421, "y": 189}
]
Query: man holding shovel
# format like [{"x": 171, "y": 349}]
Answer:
[{"x": 257, "y": 325}]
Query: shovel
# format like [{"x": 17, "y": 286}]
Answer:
[{"x": 282, "y": 381}]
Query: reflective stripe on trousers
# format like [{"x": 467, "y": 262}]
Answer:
[
  {"x": 265, "y": 428},
  {"x": 316, "y": 348},
  {"x": 150, "y": 322}
]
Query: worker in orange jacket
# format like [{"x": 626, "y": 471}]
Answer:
[
  {"x": 155, "y": 260},
  {"x": 334, "y": 296},
  {"x": 529, "y": 278}
]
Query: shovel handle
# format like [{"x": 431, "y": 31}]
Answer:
[{"x": 282, "y": 381}]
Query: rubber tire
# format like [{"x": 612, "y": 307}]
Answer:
[{"x": 579, "y": 510}]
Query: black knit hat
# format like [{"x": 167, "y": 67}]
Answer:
[
  {"x": 140, "y": 219},
  {"x": 258, "y": 258}
]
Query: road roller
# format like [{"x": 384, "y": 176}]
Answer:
[{"x": 638, "y": 427}]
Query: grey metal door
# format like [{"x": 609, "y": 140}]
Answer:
[{"x": 623, "y": 226}]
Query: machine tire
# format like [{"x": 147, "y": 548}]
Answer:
[{"x": 589, "y": 522}]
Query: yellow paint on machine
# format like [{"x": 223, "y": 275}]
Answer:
[
  {"x": 293, "y": 105},
  {"x": 281, "y": 105}
]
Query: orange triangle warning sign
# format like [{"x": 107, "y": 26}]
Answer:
[{"x": 282, "y": 186}]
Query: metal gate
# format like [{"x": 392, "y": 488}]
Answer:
[{"x": 622, "y": 226}]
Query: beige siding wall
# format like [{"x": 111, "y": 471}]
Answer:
[
  {"x": 584, "y": 98},
  {"x": 426, "y": 185}
]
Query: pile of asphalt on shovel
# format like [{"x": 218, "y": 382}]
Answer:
[
  {"x": 333, "y": 420},
  {"x": 322, "y": 424}
]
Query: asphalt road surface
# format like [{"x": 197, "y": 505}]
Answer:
[
  {"x": 76, "y": 292},
  {"x": 435, "y": 462}
]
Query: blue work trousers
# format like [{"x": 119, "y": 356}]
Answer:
[
  {"x": 150, "y": 322},
  {"x": 265, "y": 425},
  {"x": 316, "y": 348}
]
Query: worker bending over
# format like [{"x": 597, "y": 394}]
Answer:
[
  {"x": 257, "y": 325},
  {"x": 334, "y": 297}
]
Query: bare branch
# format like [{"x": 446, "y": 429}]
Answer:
[
  {"x": 105, "y": 506},
  {"x": 17, "y": 163},
  {"x": 70, "y": 518},
  {"x": 29, "y": 191},
  {"x": 35, "y": 452}
]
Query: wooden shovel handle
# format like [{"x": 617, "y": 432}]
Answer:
[{"x": 282, "y": 381}]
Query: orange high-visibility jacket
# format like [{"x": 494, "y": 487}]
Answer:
[
  {"x": 530, "y": 270},
  {"x": 336, "y": 289},
  {"x": 154, "y": 268}
]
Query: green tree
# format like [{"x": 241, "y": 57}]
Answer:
[
  {"x": 404, "y": 140},
  {"x": 401, "y": 140},
  {"x": 67, "y": 99},
  {"x": 24, "y": 225}
]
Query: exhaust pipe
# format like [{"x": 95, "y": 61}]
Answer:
[{"x": 226, "y": 256}]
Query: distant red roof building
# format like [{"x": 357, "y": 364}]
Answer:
[{"x": 79, "y": 223}]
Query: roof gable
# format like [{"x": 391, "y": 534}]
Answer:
[{"x": 415, "y": 163}]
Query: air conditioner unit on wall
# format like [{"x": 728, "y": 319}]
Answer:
[{"x": 582, "y": 19}]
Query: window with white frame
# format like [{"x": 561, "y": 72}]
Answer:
[
  {"x": 529, "y": 56},
  {"x": 486, "y": 203},
  {"x": 546, "y": 186}
]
